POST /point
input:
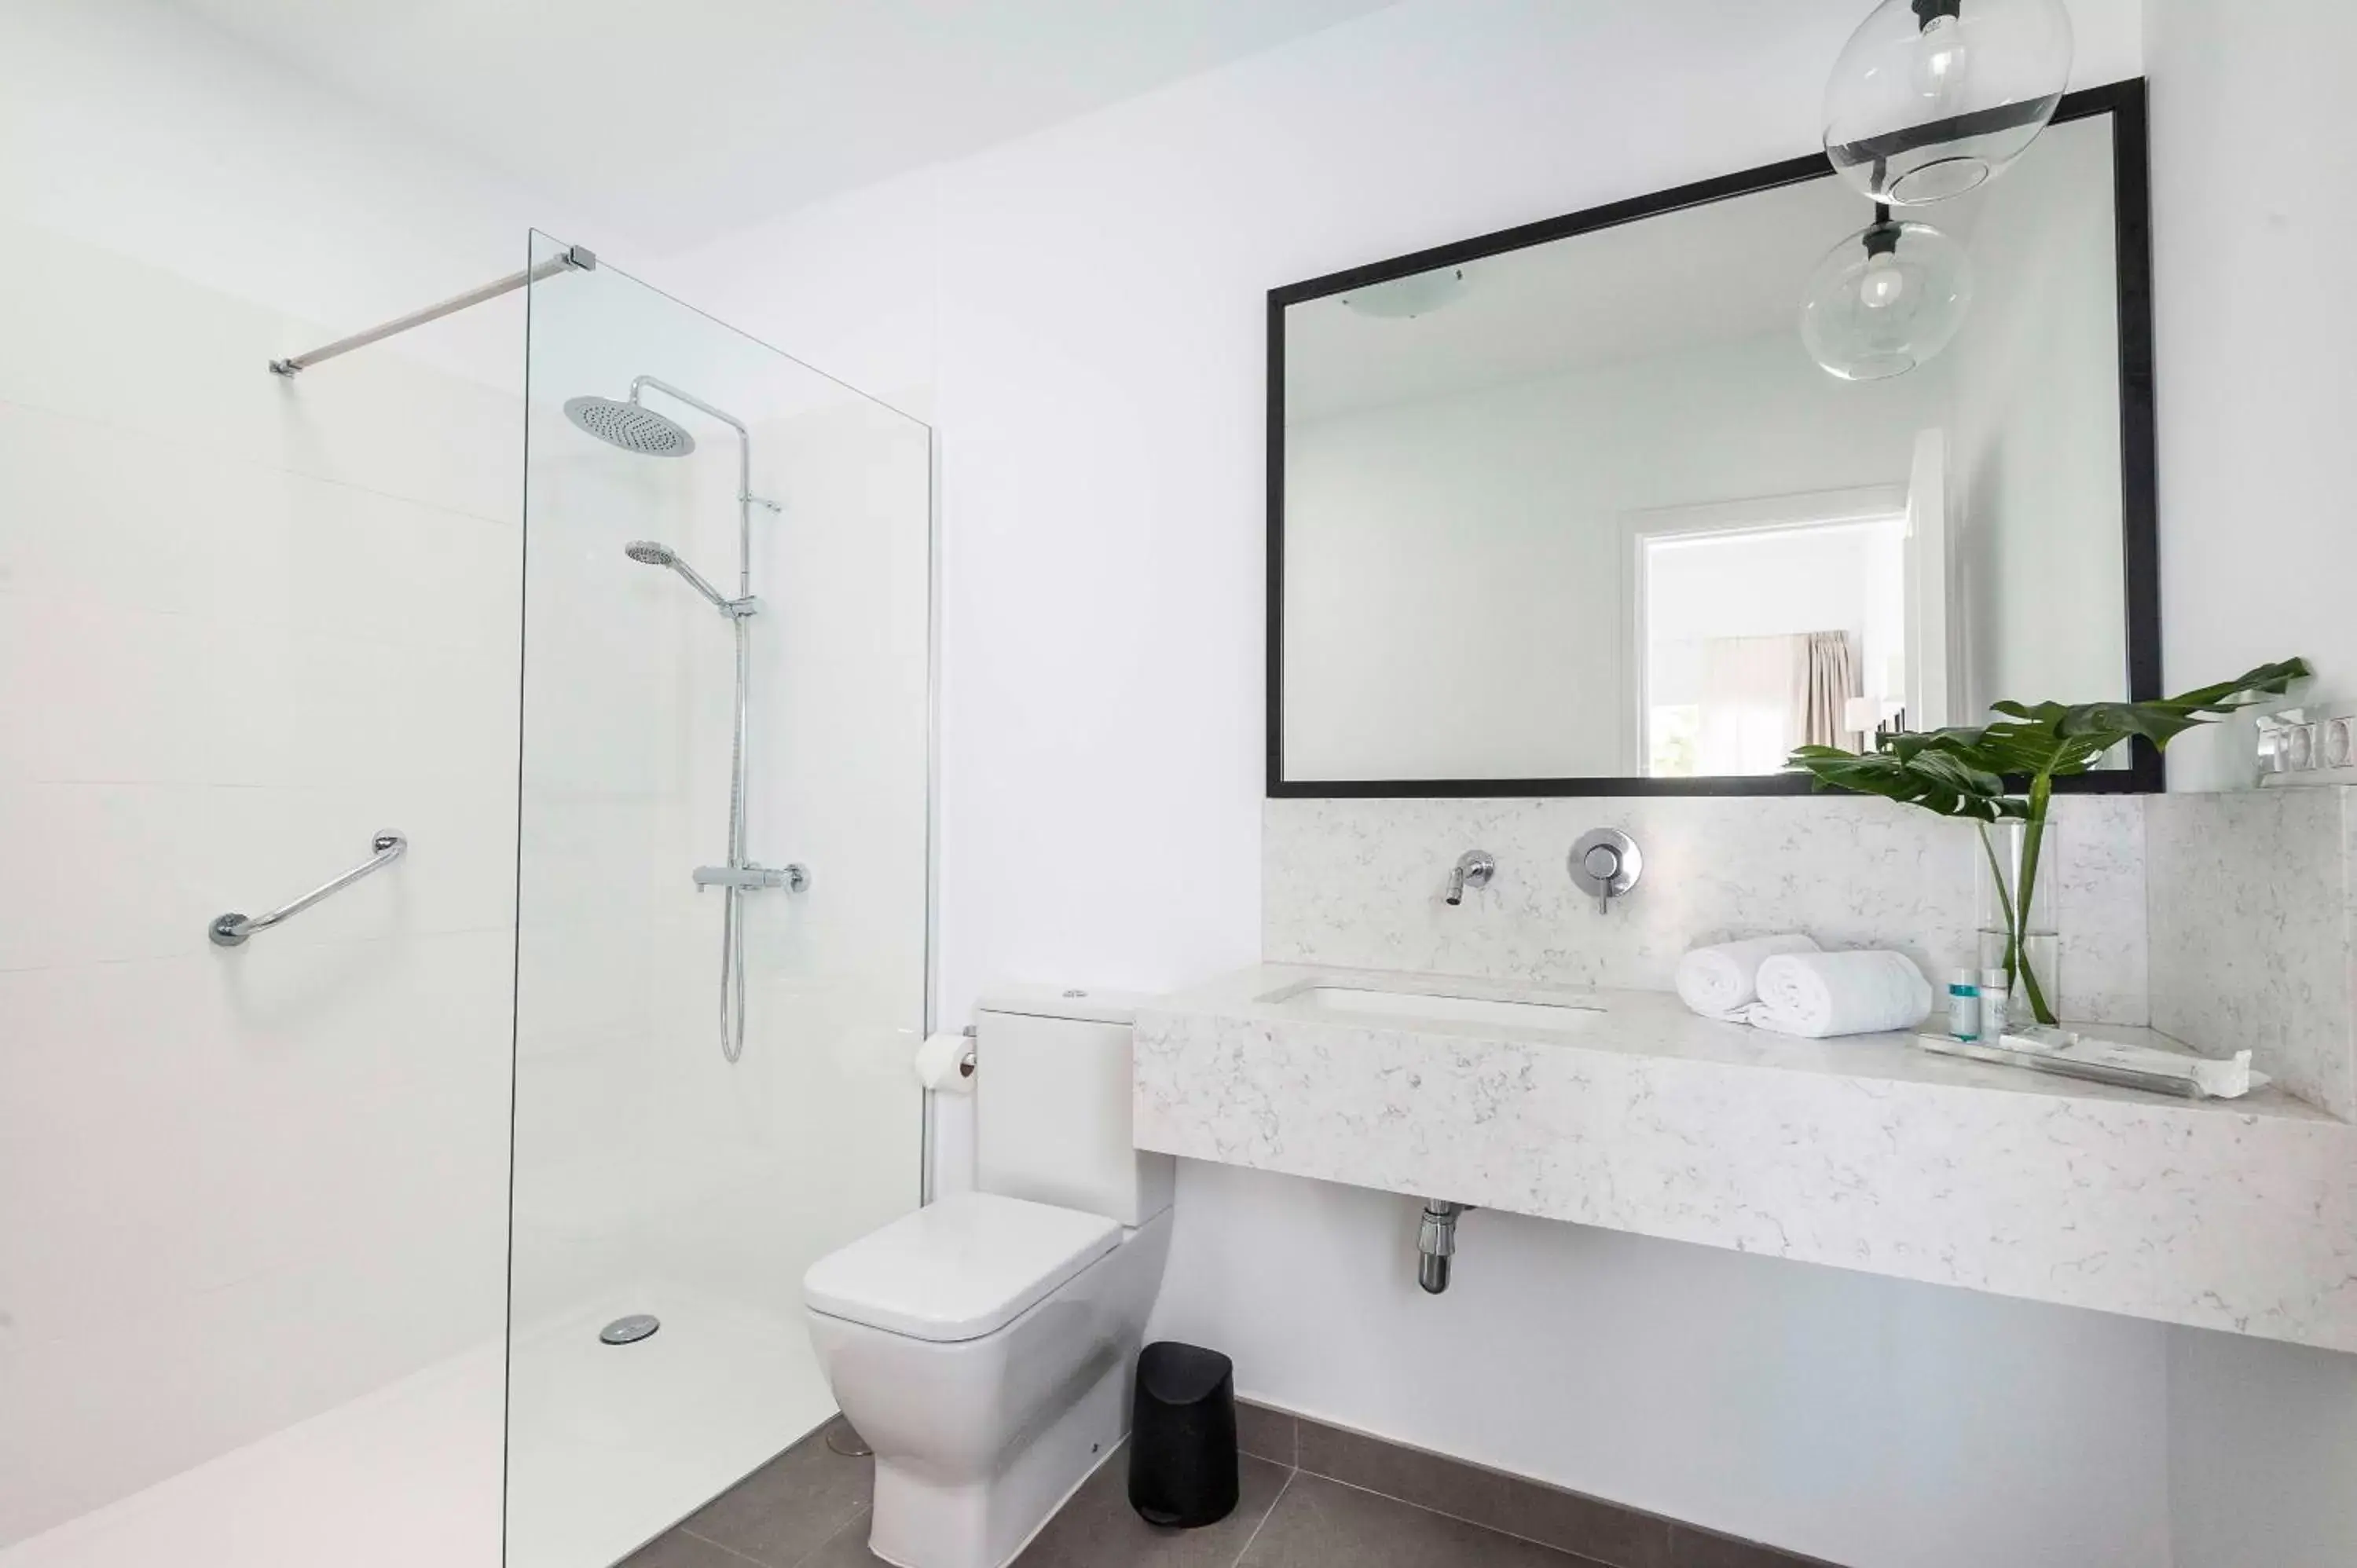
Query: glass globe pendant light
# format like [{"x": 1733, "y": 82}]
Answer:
[
  {"x": 1931, "y": 98},
  {"x": 1885, "y": 299}
]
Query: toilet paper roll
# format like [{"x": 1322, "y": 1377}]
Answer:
[{"x": 941, "y": 1064}]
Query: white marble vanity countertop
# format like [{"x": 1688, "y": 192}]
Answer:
[{"x": 1867, "y": 1153}]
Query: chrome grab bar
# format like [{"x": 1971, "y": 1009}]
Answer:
[{"x": 231, "y": 930}]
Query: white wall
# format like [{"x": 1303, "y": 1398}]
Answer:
[
  {"x": 2255, "y": 390},
  {"x": 2263, "y": 1453},
  {"x": 1095, "y": 369},
  {"x": 243, "y": 625},
  {"x": 1470, "y": 544},
  {"x": 2253, "y": 302},
  {"x": 1865, "y": 1422}
]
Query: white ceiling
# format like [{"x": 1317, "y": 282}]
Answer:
[{"x": 675, "y": 120}]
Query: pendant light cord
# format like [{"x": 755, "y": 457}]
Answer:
[{"x": 1883, "y": 237}]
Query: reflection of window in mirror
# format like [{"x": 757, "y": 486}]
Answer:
[{"x": 1766, "y": 625}]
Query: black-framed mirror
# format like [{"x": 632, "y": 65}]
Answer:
[{"x": 1573, "y": 510}]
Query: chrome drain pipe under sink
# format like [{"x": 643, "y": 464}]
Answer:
[{"x": 1436, "y": 1244}]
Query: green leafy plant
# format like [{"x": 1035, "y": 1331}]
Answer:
[{"x": 2005, "y": 770}]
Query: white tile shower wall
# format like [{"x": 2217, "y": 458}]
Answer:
[
  {"x": 2252, "y": 941},
  {"x": 1360, "y": 883},
  {"x": 243, "y": 625}
]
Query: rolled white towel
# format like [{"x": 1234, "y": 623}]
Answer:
[
  {"x": 1717, "y": 981},
  {"x": 1822, "y": 994}
]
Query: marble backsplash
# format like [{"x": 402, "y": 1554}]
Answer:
[
  {"x": 2228, "y": 920},
  {"x": 2252, "y": 935},
  {"x": 1360, "y": 883}
]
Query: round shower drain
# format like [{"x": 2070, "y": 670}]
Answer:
[{"x": 630, "y": 1330}]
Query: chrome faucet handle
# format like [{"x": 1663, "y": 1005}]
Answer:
[
  {"x": 1604, "y": 865},
  {"x": 1474, "y": 869},
  {"x": 753, "y": 878}
]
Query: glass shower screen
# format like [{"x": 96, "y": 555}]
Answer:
[{"x": 721, "y": 897}]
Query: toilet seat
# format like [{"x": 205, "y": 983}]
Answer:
[{"x": 959, "y": 1269}]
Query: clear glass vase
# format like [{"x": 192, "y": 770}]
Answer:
[{"x": 2021, "y": 940}]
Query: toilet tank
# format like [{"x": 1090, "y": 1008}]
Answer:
[{"x": 1052, "y": 1116}]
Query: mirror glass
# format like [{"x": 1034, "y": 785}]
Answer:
[{"x": 1591, "y": 510}]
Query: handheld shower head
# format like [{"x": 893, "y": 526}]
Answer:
[
  {"x": 647, "y": 552},
  {"x": 629, "y": 426}
]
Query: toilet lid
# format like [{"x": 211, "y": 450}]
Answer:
[{"x": 958, "y": 1269}]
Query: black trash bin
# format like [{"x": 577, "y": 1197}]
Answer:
[{"x": 1182, "y": 1446}]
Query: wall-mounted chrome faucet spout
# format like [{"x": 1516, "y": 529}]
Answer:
[{"x": 1474, "y": 869}]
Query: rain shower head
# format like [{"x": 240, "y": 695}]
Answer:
[
  {"x": 629, "y": 426},
  {"x": 647, "y": 552}
]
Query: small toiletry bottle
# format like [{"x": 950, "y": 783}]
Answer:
[
  {"x": 1996, "y": 1002},
  {"x": 1964, "y": 1006}
]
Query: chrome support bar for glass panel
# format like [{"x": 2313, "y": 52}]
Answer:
[
  {"x": 572, "y": 257},
  {"x": 231, "y": 930}
]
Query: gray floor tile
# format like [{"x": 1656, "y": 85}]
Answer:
[
  {"x": 1319, "y": 1523},
  {"x": 681, "y": 1549},
  {"x": 1427, "y": 1480},
  {"x": 807, "y": 1508},
  {"x": 847, "y": 1548},
  {"x": 789, "y": 1507},
  {"x": 1583, "y": 1526},
  {"x": 1098, "y": 1528},
  {"x": 1691, "y": 1548},
  {"x": 1265, "y": 1432},
  {"x": 1588, "y": 1526}
]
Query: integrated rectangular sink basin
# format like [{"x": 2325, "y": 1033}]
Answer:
[{"x": 1453, "y": 1007}]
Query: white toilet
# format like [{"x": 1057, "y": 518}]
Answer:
[{"x": 983, "y": 1346}]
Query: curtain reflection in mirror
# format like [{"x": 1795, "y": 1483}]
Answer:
[{"x": 1763, "y": 695}]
